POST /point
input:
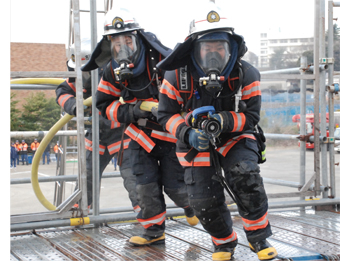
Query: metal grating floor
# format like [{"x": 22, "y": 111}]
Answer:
[{"x": 297, "y": 236}]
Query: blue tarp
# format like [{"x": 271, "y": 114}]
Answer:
[{"x": 282, "y": 107}]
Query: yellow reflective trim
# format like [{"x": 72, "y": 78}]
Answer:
[{"x": 263, "y": 154}]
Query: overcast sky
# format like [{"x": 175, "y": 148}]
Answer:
[{"x": 47, "y": 21}]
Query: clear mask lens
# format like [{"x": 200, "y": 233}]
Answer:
[
  {"x": 124, "y": 47},
  {"x": 212, "y": 55}
]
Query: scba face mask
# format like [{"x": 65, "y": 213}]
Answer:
[
  {"x": 125, "y": 52},
  {"x": 212, "y": 56}
]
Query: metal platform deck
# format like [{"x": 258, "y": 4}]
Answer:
[{"x": 297, "y": 236}]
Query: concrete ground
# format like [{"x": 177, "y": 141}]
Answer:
[{"x": 282, "y": 163}]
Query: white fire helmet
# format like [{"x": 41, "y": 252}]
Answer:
[
  {"x": 119, "y": 20},
  {"x": 85, "y": 53},
  {"x": 209, "y": 17}
]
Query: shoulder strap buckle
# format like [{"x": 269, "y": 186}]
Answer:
[{"x": 183, "y": 79}]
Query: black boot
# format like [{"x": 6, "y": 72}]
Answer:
[
  {"x": 263, "y": 249},
  {"x": 225, "y": 251}
]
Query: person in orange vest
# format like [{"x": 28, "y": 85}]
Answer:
[
  {"x": 55, "y": 148},
  {"x": 58, "y": 150},
  {"x": 34, "y": 146},
  {"x": 17, "y": 147},
  {"x": 23, "y": 148}
]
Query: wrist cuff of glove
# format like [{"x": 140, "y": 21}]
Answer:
[
  {"x": 131, "y": 115},
  {"x": 183, "y": 135},
  {"x": 188, "y": 118},
  {"x": 74, "y": 109},
  {"x": 225, "y": 118}
]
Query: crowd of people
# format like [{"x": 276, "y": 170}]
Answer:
[{"x": 21, "y": 152}]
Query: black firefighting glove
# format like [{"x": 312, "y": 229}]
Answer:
[
  {"x": 154, "y": 111},
  {"x": 74, "y": 109},
  {"x": 139, "y": 113}
]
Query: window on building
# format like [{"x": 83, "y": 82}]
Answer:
[
  {"x": 263, "y": 43},
  {"x": 284, "y": 41},
  {"x": 273, "y": 41},
  {"x": 263, "y": 35},
  {"x": 293, "y": 40}
]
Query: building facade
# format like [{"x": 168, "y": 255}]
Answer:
[{"x": 293, "y": 46}]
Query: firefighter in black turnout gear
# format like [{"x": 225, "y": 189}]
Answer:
[
  {"x": 110, "y": 133},
  {"x": 210, "y": 100},
  {"x": 130, "y": 78}
]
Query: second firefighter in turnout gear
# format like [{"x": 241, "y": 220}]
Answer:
[
  {"x": 130, "y": 78},
  {"x": 110, "y": 133},
  {"x": 221, "y": 98}
]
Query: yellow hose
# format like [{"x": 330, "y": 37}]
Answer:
[
  {"x": 54, "y": 81},
  {"x": 147, "y": 105},
  {"x": 79, "y": 221},
  {"x": 37, "y": 156}
]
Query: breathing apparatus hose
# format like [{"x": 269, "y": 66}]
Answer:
[
  {"x": 139, "y": 90},
  {"x": 37, "y": 156}
]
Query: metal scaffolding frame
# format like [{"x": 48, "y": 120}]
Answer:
[{"x": 317, "y": 185}]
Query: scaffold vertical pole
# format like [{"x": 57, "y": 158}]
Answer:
[
  {"x": 80, "y": 109},
  {"x": 317, "y": 95},
  {"x": 331, "y": 98},
  {"x": 303, "y": 83},
  {"x": 322, "y": 80},
  {"x": 95, "y": 116}
]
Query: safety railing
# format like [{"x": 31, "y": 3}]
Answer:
[{"x": 62, "y": 215}]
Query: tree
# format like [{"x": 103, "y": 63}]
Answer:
[
  {"x": 277, "y": 60},
  {"x": 310, "y": 57},
  {"x": 336, "y": 46},
  {"x": 51, "y": 114},
  {"x": 39, "y": 113},
  {"x": 14, "y": 113},
  {"x": 252, "y": 58}
]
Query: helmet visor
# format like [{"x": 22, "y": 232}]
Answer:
[
  {"x": 212, "y": 55},
  {"x": 124, "y": 47}
]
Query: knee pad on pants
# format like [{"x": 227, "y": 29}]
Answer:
[
  {"x": 178, "y": 195},
  {"x": 150, "y": 199},
  {"x": 248, "y": 185},
  {"x": 214, "y": 217},
  {"x": 130, "y": 184}
]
